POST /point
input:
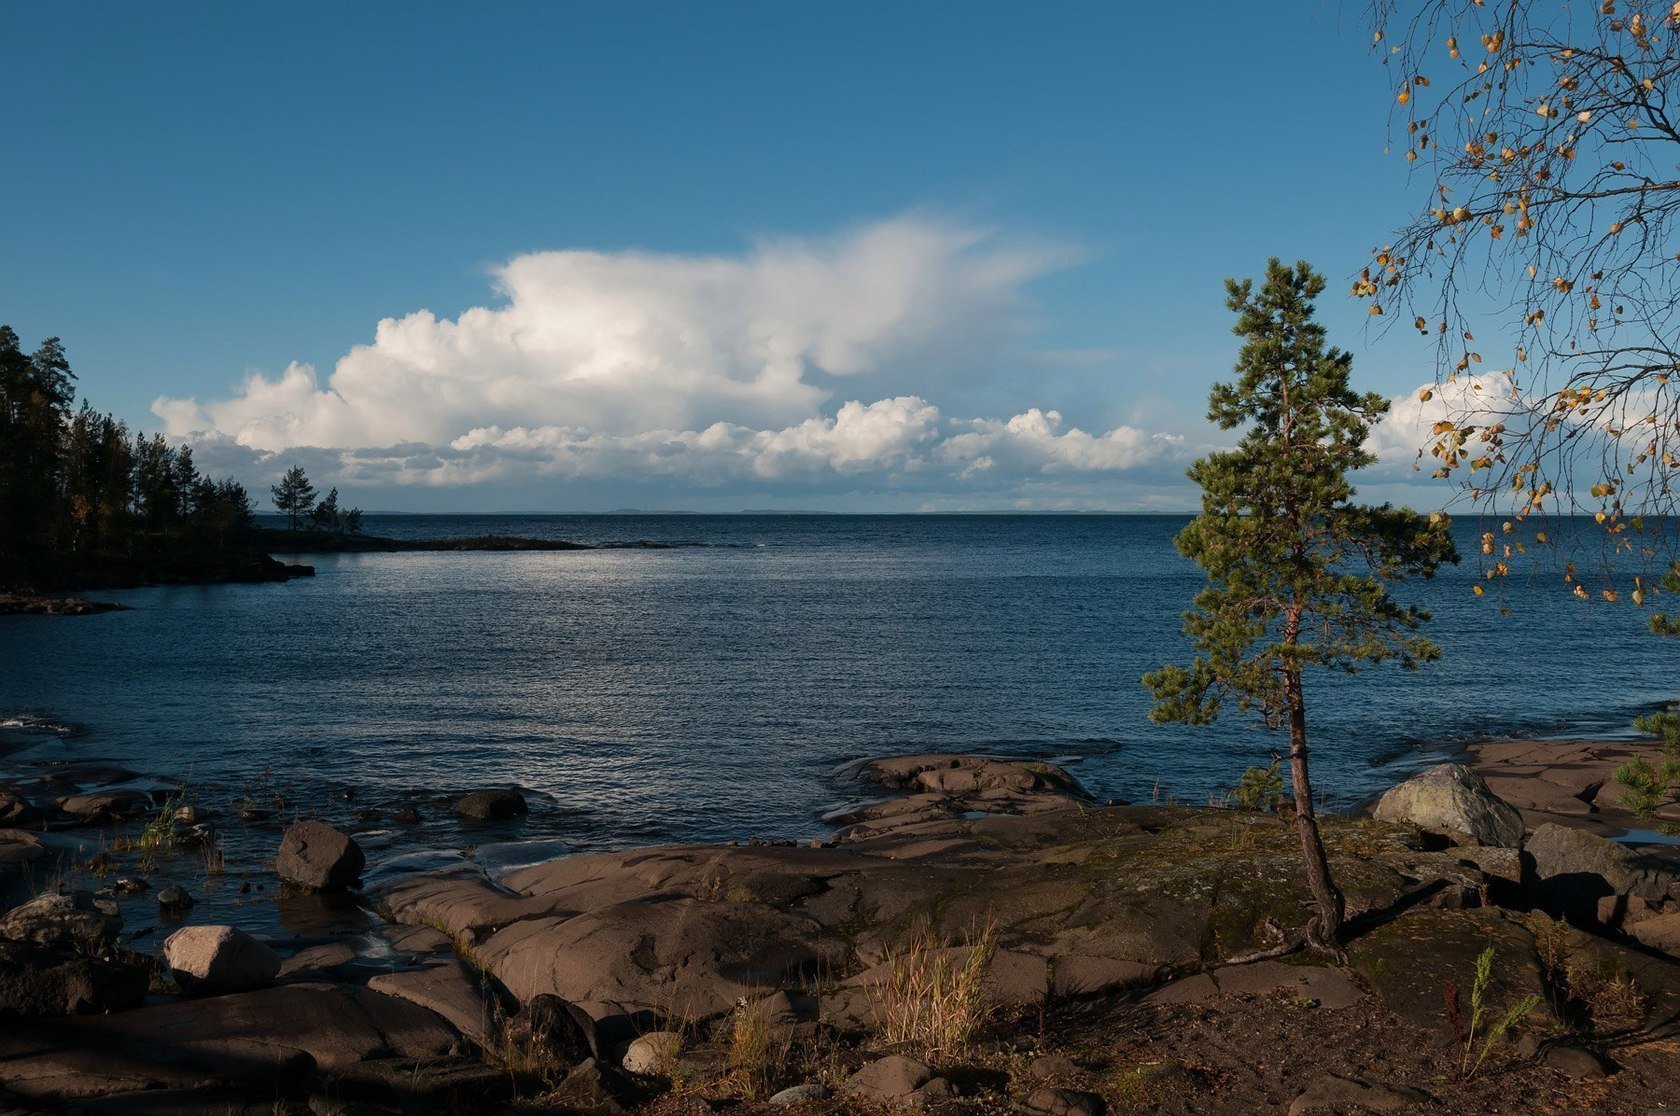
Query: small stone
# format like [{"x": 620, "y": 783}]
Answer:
[
  {"x": 1575, "y": 1061},
  {"x": 890, "y": 1079},
  {"x": 799, "y": 1094},
  {"x": 1052, "y": 1067},
  {"x": 408, "y": 815},
  {"x": 368, "y": 815},
  {"x": 492, "y": 805},
  {"x": 936, "y": 1090},
  {"x": 1062, "y": 1102},
  {"x": 130, "y": 885},
  {"x": 653, "y": 1054},
  {"x": 188, "y": 815},
  {"x": 174, "y": 898},
  {"x": 211, "y": 960},
  {"x": 1331, "y": 1093},
  {"x": 591, "y": 1087},
  {"x": 315, "y": 855}
]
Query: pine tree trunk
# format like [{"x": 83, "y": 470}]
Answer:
[{"x": 1326, "y": 928}]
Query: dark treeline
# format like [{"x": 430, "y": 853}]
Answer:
[{"x": 84, "y": 501}]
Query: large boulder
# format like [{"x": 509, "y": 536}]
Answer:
[
  {"x": 1453, "y": 799},
  {"x": 492, "y": 805},
  {"x": 215, "y": 960},
  {"x": 38, "y": 983},
  {"x": 314, "y": 855},
  {"x": 67, "y": 920},
  {"x": 1575, "y": 869}
]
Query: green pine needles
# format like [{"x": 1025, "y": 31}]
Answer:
[
  {"x": 1298, "y": 573},
  {"x": 1648, "y": 788}
]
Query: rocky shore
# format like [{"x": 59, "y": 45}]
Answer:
[{"x": 979, "y": 936}]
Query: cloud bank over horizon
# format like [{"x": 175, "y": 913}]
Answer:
[{"x": 801, "y": 368}]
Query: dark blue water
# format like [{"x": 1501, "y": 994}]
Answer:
[{"x": 711, "y": 691}]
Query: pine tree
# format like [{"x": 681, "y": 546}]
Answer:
[
  {"x": 326, "y": 515},
  {"x": 294, "y": 495},
  {"x": 1649, "y": 788},
  {"x": 1297, "y": 572}
]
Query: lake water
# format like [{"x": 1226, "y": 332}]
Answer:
[{"x": 714, "y": 690}]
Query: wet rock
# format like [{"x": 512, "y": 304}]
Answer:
[
  {"x": 74, "y": 921},
  {"x": 1453, "y": 799},
  {"x": 188, "y": 815},
  {"x": 415, "y": 939},
  {"x": 174, "y": 899},
  {"x": 652, "y": 1055},
  {"x": 108, "y": 806},
  {"x": 408, "y": 815},
  {"x": 319, "y": 959},
  {"x": 36, "y": 982},
  {"x": 130, "y": 885},
  {"x": 492, "y": 805},
  {"x": 16, "y": 810},
  {"x": 314, "y": 855},
  {"x": 893, "y": 1079},
  {"x": 1062, "y": 1102},
  {"x": 1575, "y": 869},
  {"x": 800, "y": 1094},
  {"x": 215, "y": 960}
]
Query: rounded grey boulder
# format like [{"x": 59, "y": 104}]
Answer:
[
  {"x": 315, "y": 855},
  {"x": 211, "y": 960},
  {"x": 1453, "y": 799},
  {"x": 653, "y": 1054}
]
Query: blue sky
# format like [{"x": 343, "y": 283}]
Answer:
[{"x": 694, "y": 232}]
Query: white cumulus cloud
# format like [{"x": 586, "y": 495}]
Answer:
[
  {"x": 749, "y": 370},
  {"x": 626, "y": 342}
]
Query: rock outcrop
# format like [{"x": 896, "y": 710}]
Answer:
[
  {"x": 1575, "y": 870},
  {"x": 42, "y": 983}
]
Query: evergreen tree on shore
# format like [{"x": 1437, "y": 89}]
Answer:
[
  {"x": 83, "y": 499},
  {"x": 1297, "y": 572},
  {"x": 294, "y": 496}
]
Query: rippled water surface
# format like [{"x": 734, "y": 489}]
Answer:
[{"x": 711, "y": 691}]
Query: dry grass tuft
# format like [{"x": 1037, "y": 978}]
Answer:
[{"x": 932, "y": 998}]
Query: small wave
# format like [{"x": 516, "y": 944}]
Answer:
[
  {"x": 31, "y": 722},
  {"x": 680, "y": 544}
]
